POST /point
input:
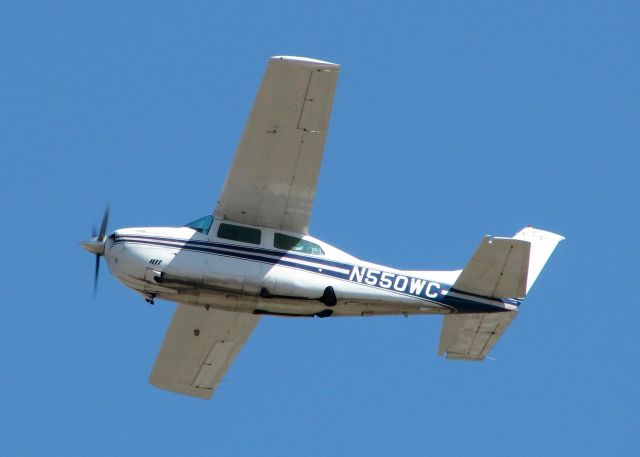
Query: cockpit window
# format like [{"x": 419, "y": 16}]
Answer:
[
  {"x": 295, "y": 244},
  {"x": 201, "y": 225},
  {"x": 239, "y": 233}
]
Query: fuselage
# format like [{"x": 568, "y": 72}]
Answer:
[{"x": 237, "y": 267}]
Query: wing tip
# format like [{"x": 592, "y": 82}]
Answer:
[
  {"x": 465, "y": 357},
  {"x": 304, "y": 61},
  {"x": 190, "y": 391}
]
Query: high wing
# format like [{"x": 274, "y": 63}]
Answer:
[
  {"x": 198, "y": 349},
  {"x": 472, "y": 336},
  {"x": 272, "y": 181}
]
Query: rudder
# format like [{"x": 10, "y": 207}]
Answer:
[{"x": 543, "y": 244}]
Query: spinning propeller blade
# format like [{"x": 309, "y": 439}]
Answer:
[
  {"x": 103, "y": 226},
  {"x": 96, "y": 246},
  {"x": 95, "y": 277}
]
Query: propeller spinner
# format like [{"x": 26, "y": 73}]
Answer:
[{"x": 95, "y": 245}]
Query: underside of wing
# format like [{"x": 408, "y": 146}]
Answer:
[
  {"x": 472, "y": 336},
  {"x": 198, "y": 349},
  {"x": 272, "y": 181}
]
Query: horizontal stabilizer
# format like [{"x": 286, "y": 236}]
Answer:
[
  {"x": 498, "y": 269},
  {"x": 472, "y": 336}
]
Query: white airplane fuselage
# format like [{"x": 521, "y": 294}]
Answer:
[{"x": 184, "y": 265}]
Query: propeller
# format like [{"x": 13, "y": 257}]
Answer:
[{"x": 95, "y": 245}]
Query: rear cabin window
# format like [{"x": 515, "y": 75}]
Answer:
[
  {"x": 239, "y": 233},
  {"x": 295, "y": 244}
]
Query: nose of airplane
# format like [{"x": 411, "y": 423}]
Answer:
[{"x": 94, "y": 246}]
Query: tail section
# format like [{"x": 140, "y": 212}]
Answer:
[
  {"x": 543, "y": 244},
  {"x": 499, "y": 268},
  {"x": 507, "y": 267}
]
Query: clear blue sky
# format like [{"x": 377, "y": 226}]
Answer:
[{"x": 452, "y": 120}]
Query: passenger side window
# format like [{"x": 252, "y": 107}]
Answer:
[
  {"x": 239, "y": 233},
  {"x": 295, "y": 244}
]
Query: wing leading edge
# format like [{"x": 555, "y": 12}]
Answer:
[
  {"x": 272, "y": 180},
  {"x": 198, "y": 349}
]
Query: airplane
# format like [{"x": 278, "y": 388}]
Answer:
[{"x": 253, "y": 256}]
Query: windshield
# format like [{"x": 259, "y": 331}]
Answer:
[{"x": 202, "y": 225}]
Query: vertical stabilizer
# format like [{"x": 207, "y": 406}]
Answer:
[{"x": 543, "y": 244}]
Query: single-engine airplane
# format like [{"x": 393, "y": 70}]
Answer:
[{"x": 253, "y": 256}]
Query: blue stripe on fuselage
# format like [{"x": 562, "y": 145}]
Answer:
[
  {"x": 227, "y": 251},
  {"x": 263, "y": 251}
]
